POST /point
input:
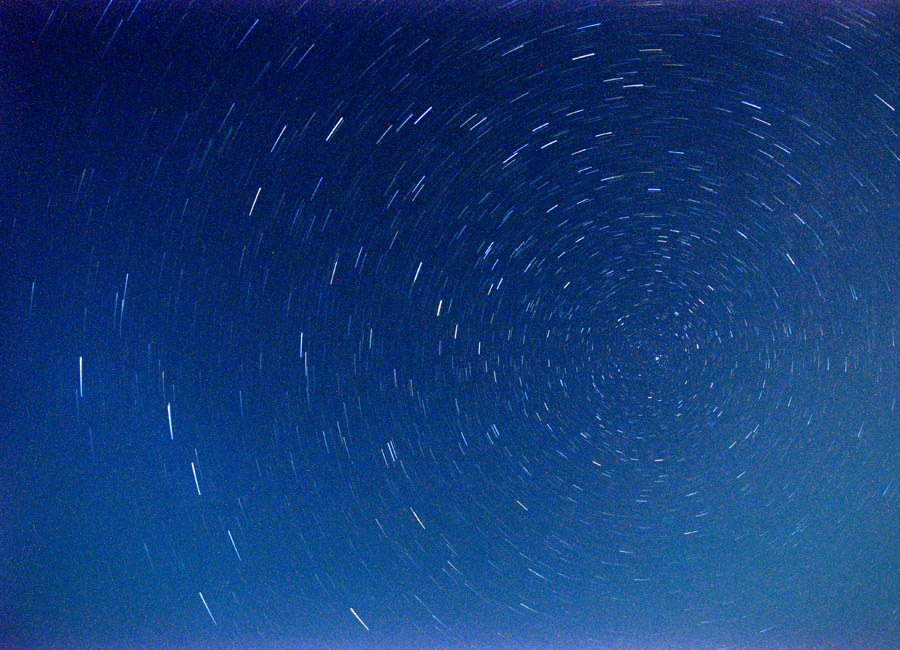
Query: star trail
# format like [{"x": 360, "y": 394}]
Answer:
[{"x": 450, "y": 325}]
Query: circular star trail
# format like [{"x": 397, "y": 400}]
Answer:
[{"x": 451, "y": 325}]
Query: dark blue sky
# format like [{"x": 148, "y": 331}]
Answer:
[{"x": 449, "y": 325}]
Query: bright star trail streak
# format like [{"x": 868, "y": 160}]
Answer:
[
  {"x": 496, "y": 325},
  {"x": 208, "y": 611}
]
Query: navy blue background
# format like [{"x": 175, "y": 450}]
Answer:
[{"x": 506, "y": 326}]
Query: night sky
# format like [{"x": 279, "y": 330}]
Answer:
[{"x": 449, "y": 325}]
